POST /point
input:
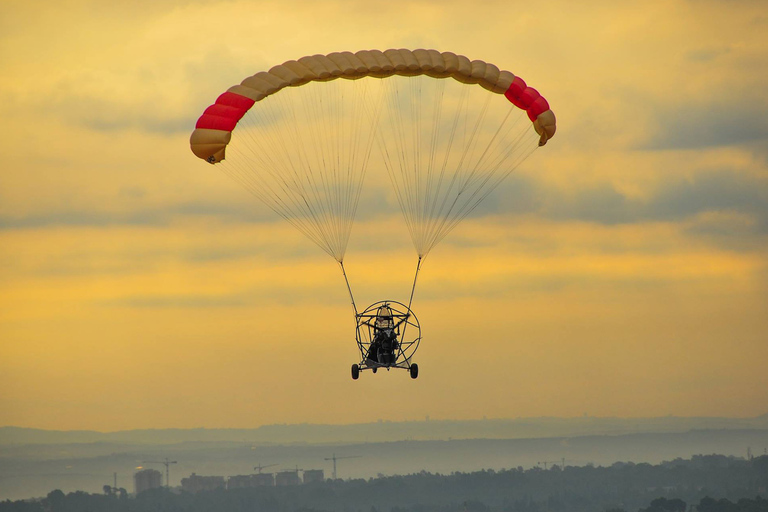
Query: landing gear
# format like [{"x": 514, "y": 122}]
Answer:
[
  {"x": 355, "y": 372},
  {"x": 414, "y": 370}
]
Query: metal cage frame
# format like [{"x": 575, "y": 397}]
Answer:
[{"x": 405, "y": 322}]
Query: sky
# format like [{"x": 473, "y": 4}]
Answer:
[{"x": 622, "y": 270}]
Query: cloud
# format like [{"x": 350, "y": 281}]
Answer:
[
  {"x": 139, "y": 97},
  {"x": 179, "y": 301},
  {"x": 139, "y": 215},
  {"x": 703, "y": 125},
  {"x": 735, "y": 196},
  {"x": 720, "y": 191},
  {"x": 675, "y": 198},
  {"x": 728, "y": 229},
  {"x": 707, "y": 54},
  {"x": 83, "y": 218}
]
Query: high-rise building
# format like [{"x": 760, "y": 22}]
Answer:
[
  {"x": 195, "y": 483},
  {"x": 284, "y": 478},
  {"x": 314, "y": 475},
  {"x": 147, "y": 479}
]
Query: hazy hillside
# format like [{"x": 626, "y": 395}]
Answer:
[{"x": 388, "y": 431}]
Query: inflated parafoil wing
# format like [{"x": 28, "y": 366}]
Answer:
[
  {"x": 214, "y": 128},
  {"x": 305, "y": 151}
]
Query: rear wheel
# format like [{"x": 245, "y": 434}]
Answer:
[
  {"x": 355, "y": 372},
  {"x": 414, "y": 369}
]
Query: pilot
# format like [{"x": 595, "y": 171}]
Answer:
[{"x": 384, "y": 343}]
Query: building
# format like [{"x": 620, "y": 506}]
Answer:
[
  {"x": 285, "y": 478},
  {"x": 265, "y": 479},
  {"x": 195, "y": 483},
  {"x": 314, "y": 475},
  {"x": 240, "y": 481},
  {"x": 147, "y": 479},
  {"x": 259, "y": 480}
]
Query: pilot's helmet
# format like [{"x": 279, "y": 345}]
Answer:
[{"x": 384, "y": 318}]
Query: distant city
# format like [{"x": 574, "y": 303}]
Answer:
[{"x": 146, "y": 479}]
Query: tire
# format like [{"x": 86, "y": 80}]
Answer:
[
  {"x": 414, "y": 370},
  {"x": 355, "y": 372}
]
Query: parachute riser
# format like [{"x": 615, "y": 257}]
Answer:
[
  {"x": 415, "y": 277},
  {"x": 413, "y": 290},
  {"x": 349, "y": 289}
]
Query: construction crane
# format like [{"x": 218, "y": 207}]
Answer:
[
  {"x": 167, "y": 462},
  {"x": 335, "y": 458},
  {"x": 260, "y": 467}
]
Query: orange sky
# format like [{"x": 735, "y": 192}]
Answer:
[{"x": 141, "y": 288}]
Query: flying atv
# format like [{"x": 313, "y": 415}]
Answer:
[{"x": 388, "y": 334}]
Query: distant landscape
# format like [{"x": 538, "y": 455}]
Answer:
[
  {"x": 710, "y": 483},
  {"x": 35, "y": 462}
]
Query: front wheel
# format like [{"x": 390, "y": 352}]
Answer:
[
  {"x": 414, "y": 369},
  {"x": 355, "y": 372}
]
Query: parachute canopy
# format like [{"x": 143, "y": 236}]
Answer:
[{"x": 445, "y": 144}]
